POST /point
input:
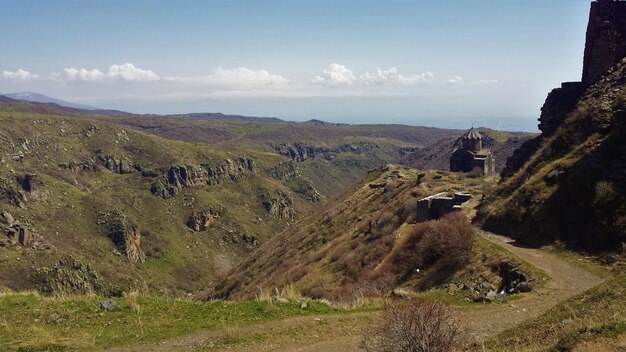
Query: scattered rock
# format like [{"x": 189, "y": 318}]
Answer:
[{"x": 108, "y": 305}]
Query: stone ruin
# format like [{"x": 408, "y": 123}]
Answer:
[
  {"x": 440, "y": 204},
  {"x": 605, "y": 47}
]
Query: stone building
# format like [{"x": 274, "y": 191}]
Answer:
[{"x": 471, "y": 156}]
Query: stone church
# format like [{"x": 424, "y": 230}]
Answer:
[{"x": 471, "y": 156}]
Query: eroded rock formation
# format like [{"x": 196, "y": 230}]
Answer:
[
  {"x": 301, "y": 152},
  {"x": 202, "y": 220},
  {"x": 127, "y": 237},
  {"x": 278, "y": 205},
  {"x": 119, "y": 165},
  {"x": 175, "y": 178}
]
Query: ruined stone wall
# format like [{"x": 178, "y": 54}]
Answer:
[
  {"x": 604, "y": 48},
  {"x": 606, "y": 38}
]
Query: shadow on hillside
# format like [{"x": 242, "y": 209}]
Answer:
[{"x": 578, "y": 213}]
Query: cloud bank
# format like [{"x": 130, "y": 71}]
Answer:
[
  {"x": 19, "y": 75},
  {"x": 127, "y": 72}
]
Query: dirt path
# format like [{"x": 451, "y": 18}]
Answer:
[{"x": 565, "y": 281}]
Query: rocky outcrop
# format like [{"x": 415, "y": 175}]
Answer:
[
  {"x": 559, "y": 103},
  {"x": 127, "y": 237},
  {"x": 175, "y": 178},
  {"x": 10, "y": 193},
  {"x": 202, "y": 220},
  {"x": 301, "y": 152},
  {"x": 78, "y": 166},
  {"x": 288, "y": 171},
  {"x": 514, "y": 280},
  {"x": 18, "y": 235},
  {"x": 278, "y": 205},
  {"x": 68, "y": 277},
  {"x": 119, "y": 165},
  {"x": 21, "y": 189}
]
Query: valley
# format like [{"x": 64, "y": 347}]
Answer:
[{"x": 206, "y": 231}]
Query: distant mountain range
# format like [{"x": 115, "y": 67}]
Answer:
[{"x": 40, "y": 98}]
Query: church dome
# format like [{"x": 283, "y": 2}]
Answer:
[{"x": 472, "y": 134}]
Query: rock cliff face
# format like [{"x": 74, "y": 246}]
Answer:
[
  {"x": 176, "y": 178},
  {"x": 301, "y": 152}
]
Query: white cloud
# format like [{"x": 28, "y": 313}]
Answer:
[
  {"x": 456, "y": 80},
  {"x": 19, "y": 75},
  {"x": 127, "y": 72},
  {"x": 130, "y": 73},
  {"x": 335, "y": 75},
  {"x": 239, "y": 77},
  {"x": 79, "y": 75},
  {"x": 391, "y": 75},
  {"x": 246, "y": 75}
]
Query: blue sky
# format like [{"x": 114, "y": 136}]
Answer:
[{"x": 440, "y": 63}]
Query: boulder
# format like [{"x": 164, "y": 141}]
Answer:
[
  {"x": 6, "y": 218},
  {"x": 524, "y": 286},
  {"x": 108, "y": 305}
]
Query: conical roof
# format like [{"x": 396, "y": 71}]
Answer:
[{"x": 472, "y": 134}]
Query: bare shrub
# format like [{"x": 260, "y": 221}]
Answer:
[
  {"x": 413, "y": 326},
  {"x": 605, "y": 192},
  {"x": 450, "y": 238}
]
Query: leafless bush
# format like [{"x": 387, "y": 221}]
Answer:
[
  {"x": 605, "y": 192},
  {"x": 413, "y": 326},
  {"x": 450, "y": 238}
]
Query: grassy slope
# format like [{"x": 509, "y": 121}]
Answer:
[
  {"x": 559, "y": 193},
  {"x": 69, "y": 216},
  {"x": 325, "y": 255},
  {"x": 78, "y": 324}
]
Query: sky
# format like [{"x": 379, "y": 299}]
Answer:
[{"x": 451, "y": 63}]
